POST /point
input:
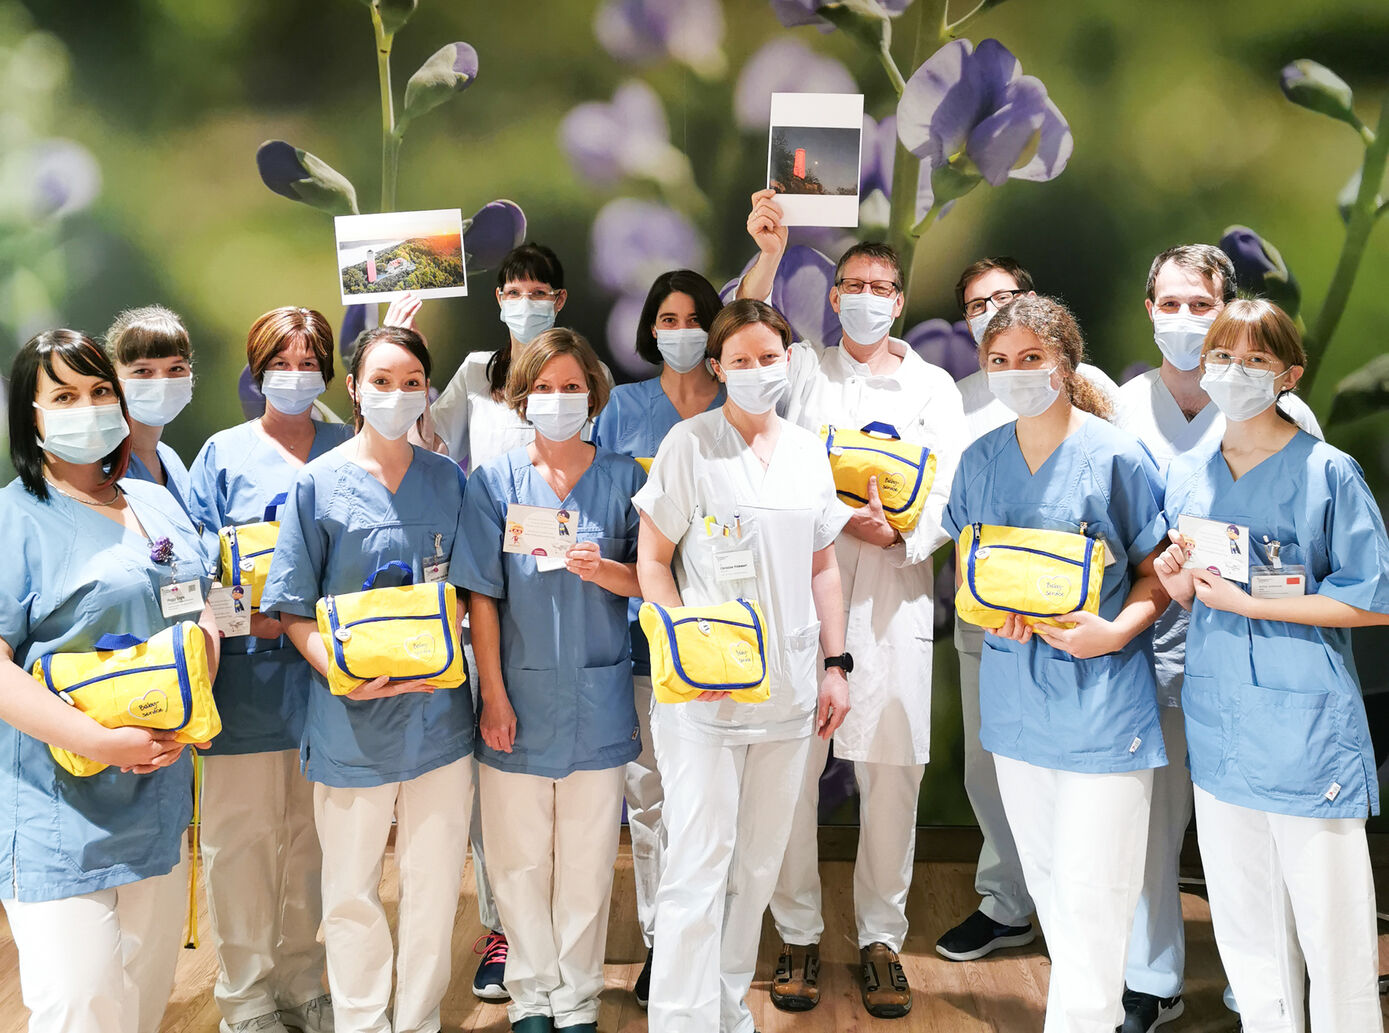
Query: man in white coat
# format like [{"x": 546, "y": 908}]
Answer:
[
  {"x": 1166, "y": 409},
  {"x": 887, "y": 584}
]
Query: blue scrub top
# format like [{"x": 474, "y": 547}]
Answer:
[
  {"x": 635, "y": 421},
  {"x": 1274, "y": 716},
  {"x": 339, "y": 527},
  {"x": 179, "y": 485},
  {"x": 565, "y": 651},
  {"x": 1038, "y": 704},
  {"x": 262, "y": 685},
  {"x": 73, "y": 576}
]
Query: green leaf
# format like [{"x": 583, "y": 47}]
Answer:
[
  {"x": 1363, "y": 393},
  {"x": 1319, "y": 89},
  {"x": 450, "y": 69}
]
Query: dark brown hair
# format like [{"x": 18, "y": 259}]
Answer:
[
  {"x": 1206, "y": 260},
  {"x": 149, "y": 332},
  {"x": 682, "y": 281},
  {"x": 740, "y": 314},
  {"x": 1002, "y": 263}
]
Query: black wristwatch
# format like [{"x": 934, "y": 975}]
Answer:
[{"x": 844, "y": 661}]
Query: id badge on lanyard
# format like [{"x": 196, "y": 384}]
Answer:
[
  {"x": 436, "y": 568},
  {"x": 179, "y": 595},
  {"x": 1277, "y": 580}
]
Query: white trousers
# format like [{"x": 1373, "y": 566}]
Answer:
[
  {"x": 882, "y": 867},
  {"x": 1081, "y": 841},
  {"x": 1282, "y": 887},
  {"x": 998, "y": 879},
  {"x": 642, "y": 787},
  {"x": 1157, "y": 942},
  {"x": 262, "y": 865},
  {"x": 101, "y": 962},
  {"x": 431, "y": 837},
  {"x": 553, "y": 843},
  {"x": 727, "y": 818}
]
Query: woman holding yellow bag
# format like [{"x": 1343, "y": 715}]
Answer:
[
  {"x": 95, "y": 887},
  {"x": 386, "y": 749},
  {"x": 1069, "y": 711}
]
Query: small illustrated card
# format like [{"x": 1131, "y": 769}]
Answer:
[
  {"x": 541, "y": 532},
  {"x": 1216, "y": 546},
  {"x": 231, "y": 608},
  {"x": 383, "y": 256},
  {"x": 813, "y": 157}
]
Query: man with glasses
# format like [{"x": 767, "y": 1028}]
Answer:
[{"x": 887, "y": 582}]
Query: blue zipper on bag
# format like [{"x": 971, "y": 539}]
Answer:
[
  {"x": 753, "y": 623},
  {"x": 920, "y": 472},
  {"x": 180, "y": 666},
  {"x": 330, "y": 603},
  {"x": 1083, "y": 564}
]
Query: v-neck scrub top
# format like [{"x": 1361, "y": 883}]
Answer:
[
  {"x": 1274, "y": 716},
  {"x": 1038, "y": 704},
  {"x": 339, "y": 527},
  {"x": 786, "y": 513}
]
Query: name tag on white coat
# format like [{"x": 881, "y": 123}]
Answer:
[
  {"x": 735, "y": 565},
  {"x": 1277, "y": 582}
]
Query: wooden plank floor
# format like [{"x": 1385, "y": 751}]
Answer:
[{"x": 1002, "y": 993}]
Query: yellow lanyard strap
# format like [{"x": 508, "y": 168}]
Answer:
[{"x": 194, "y": 851}]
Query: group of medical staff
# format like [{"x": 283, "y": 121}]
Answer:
[{"x": 1087, "y": 742}]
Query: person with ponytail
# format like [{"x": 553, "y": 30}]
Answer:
[{"x": 1070, "y": 712}]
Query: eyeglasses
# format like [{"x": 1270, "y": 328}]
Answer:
[
  {"x": 882, "y": 288},
  {"x": 977, "y": 306},
  {"x": 513, "y": 294}
]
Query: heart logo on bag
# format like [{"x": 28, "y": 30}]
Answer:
[
  {"x": 1053, "y": 587},
  {"x": 150, "y": 705},
  {"x": 741, "y": 653},
  {"x": 892, "y": 486},
  {"x": 421, "y": 647}
]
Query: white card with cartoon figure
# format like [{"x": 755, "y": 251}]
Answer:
[
  {"x": 539, "y": 531},
  {"x": 1214, "y": 545}
]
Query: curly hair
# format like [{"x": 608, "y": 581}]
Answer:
[{"x": 1053, "y": 324}]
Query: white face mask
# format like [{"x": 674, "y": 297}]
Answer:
[
  {"x": 390, "y": 413},
  {"x": 157, "y": 400},
  {"x": 1028, "y": 392},
  {"x": 682, "y": 350},
  {"x": 1179, "y": 336},
  {"x": 555, "y": 416},
  {"x": 527, "y": 319},
  {"x": 978, "y": 324},
  {"x": 82, "y": 434},
  {"x": 866, "y": 318},
  {"x": 757, "y": 389},
  {"x": 1240, "y": 393},
  {"x": 291, "y": 391}
]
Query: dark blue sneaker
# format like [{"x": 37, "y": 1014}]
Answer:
[
  {"x": 490, "y": 981},
  {"x": 641, "y": 990},
  {"x": 979, "y": 935},
  {"x": 1144, "y": 1013}
]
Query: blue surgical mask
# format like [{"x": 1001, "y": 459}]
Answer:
[
  {"x": 82, "y": 434},
  {"x": 157, "y": 400},
  {"x": 866, "y": 318},
  {"x": 527, "y": 319},
  {"x": 682, "y": 350},
  {"x": 291, "y": 391}
]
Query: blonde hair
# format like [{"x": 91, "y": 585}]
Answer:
[
  {"x": 1056, "y": 328},
  {"x": 274, "y": 331},
  {"x": 527, "y": 364}
]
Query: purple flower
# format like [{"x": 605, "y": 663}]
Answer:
[
  {"x": 1134, "y": 369},
  {"x": 161, "y": 550},
  {"x": 1319, "y": 89},
  {"x": 784, "y": 65},
  {"x": 792, "y": 13},
  {"x": 63, "y": 178},
  {"x": 491, "y": 233},
  {"x": 947, "y": 345},
  {"x": 629, "y": 137},
  {"x": 635, "y": 241},
  {"x": 970, "y": 114},
  {"x": 879, "y": 152},
  {"x": 1260, "y": 269},
  {"x": 622, "y": 336},
  {"x": 640, "y": 31},
  {"x": 801, "y": 293},
  {"x": 248, "y": 392},
  {"x": 450, "y": 69}
]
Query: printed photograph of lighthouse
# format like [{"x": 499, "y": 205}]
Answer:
[
  {"x": 813, "y": 156},
  {"x": 381, "y": 257}
]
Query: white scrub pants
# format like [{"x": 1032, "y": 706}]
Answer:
[
  {"x": 101, "y": 962},
  {"x": 642, "y": 786},
  {"x": 1270, "y": 874},
  {"x": 431, "y": 837},
  {"x": 553, "y": 843},
  {"x": 998, "y": 878},
  {"x": 1157, "y": 943},
  {"x": 262, "y": 865},
  {"x": 728, "y": 817},
  {"x": 882, "y": 868},
  {"x": 1081, "y": 840}
]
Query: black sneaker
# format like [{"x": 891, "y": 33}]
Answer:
[
  {"x": 490, "y": 981},
  {"x": 641, "y": 989},
  {"x": 979, "y": 935},
  {"x": 1144, "y": 1013}
]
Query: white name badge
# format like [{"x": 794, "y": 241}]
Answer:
[
  {"x": 179, "y": 597},
  {"x": 1277, "y": 582},
  {"x": 734, "y": 565},
  {"x": 436, "y": 571},
  {"x": 231, "y": 611}
]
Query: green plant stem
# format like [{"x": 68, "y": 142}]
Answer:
[
  {"x": 894, "y": 73},
  {"x": 390, "y": 141},
  {"x": 1358, "y": 227},
  {"x": 953, "y": 29}
]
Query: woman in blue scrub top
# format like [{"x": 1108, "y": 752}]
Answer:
[
  {"x": 1070, "y": 715},
  {"x": 1276, "y": 733},
  {"x": 386, "y": 750},
  {"x": 94, "y": 887},
  {"x": 558, "y": 725},
  {"x": 672, "y": 334},
  {"x": 259, "y": 844}
]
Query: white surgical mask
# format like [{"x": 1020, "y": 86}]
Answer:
[
  {"x": 556, "y": 416},
  {"x": 527, "y": 319},
  {"x": 157, "y": 400},
  {"x": 1179, "y": 336},
  {"x": 866, "y": 318},
  {"x": 978, "y": 324},
  {"x": 757, "y": 388},
  {"x": 1028, "y": 392},
  {"x": 291, "y": 391},
  {"x": 82, "y": 434},
  {"x": 682, "y": 350},
  {"x": 390, "y": 413},
  {"x": 1240, "y": 393}
]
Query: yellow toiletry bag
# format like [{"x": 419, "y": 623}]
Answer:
[
  {"x": 905, "y": 471},
  {"x": 698, "y": 649},
  {"x": 246, "y": 551},
  {"x": 1041, "y": 575}
]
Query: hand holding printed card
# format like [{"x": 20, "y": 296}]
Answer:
[
  {"x": 1215, "y": 545},
  {"x": 813, "y": 157},
  {"x": 547, "y": 534}
]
